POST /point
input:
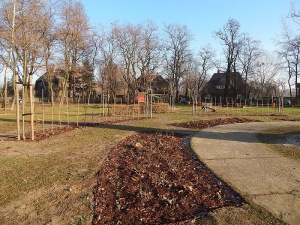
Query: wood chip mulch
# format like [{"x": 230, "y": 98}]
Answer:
[
  {"x": 202, "y": 124},
  {"x": 155, "y": 178}
]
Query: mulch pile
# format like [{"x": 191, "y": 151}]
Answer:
[
  {"x": 202, "y": 124},
  {"x": 155, "y": 178},
  {"x": 60, "y": 129}
]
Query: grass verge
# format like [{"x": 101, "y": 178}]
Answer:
[{"x": 284, "y": 140}]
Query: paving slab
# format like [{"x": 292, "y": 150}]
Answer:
[{"x": 269, "y": 179}]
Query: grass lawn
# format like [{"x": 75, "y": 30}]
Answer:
[{"x": 51, "y": 181}]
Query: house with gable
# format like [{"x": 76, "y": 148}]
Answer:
[
  {"x": 56, "y": 79},
  {"x": 214, "y": 89},
  {"x": 155, "y": 82}
]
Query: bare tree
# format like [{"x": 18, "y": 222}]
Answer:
[
  {"x": 149, "y": 51},
  {"x": 93, "y": 59},
  {"x": 22, "y": 34},
  {"x": 49, "y": 40},
  {"x": 266, "y": 73},
  {"x": 290, "y": 52},
  {"x": 109, "y": 69},
  {"x": 127, "y": 38},
  {"x": 197, "y": 72},
  {"x": 177, "y": 55},
  {"x": 74, "y": 36},
  {"x": 248, "y": 56},
  {"x": 6, "y": 50},
  {"x": 291, "y": 58},
  {"x": 295, "y": 14},
  {"x": 232, "y": 40},
  {"x": 206, "y": 62},
  {"x": 192, "y": 80},
  {"x": 85, "y": 81}
]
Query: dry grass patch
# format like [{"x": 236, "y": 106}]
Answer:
[{"x": 51, "y": 181}]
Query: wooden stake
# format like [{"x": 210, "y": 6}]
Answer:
[
  {"x": 31, "y": 96},
  {"x": 17, "y": 106}
]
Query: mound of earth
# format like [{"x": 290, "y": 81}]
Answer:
[
  {"x": 155, "y": 178},
  {"x": 42, "y": 134},
  {"x": 47, "y": 133},
  {"x": 202, "y": 124}
]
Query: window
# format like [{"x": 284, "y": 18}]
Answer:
[{"x": 220, "y": 87}]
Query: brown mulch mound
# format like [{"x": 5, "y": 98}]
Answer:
[
  {"x": 47, "y": 133},
  {"x": 202, "y": 124},
  {"x": 42, "y": 134},
  {"x": 155, "y": 178}
]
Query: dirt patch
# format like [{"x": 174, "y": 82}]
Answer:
[{"x": 154, "y": 178}]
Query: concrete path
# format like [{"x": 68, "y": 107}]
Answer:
[{"x": 257, "y": 172}]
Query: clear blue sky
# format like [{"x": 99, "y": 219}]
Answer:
[{"x": 261, "y": 19}]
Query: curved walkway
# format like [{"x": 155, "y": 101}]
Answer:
[{"x": 257, "y": 172}]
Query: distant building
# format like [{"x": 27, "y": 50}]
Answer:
[
  {"x": 42, "y": 84},
  {"x": 56, "y": 78},
  {"x": 155, "y": 82},
  {"x": 215, "y": 87}
]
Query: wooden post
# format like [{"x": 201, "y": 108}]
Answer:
[
  {"x": 5, "y": 91},
  {"x": 52, "y": 109},
  {"x": 67, "y": 110},
  {"x": 151, "y": 109},
  {"x": 24, "y": 92},
  {"x": 23, "y": 110},
  {"x": 43, "y": 110},
  {"x": 17, "y": 105},
  {"x": 77, "y": 120},
  {"x": 31, "y": 96}
]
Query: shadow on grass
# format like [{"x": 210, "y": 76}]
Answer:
[
  {"x": 201, "y": 132},
  {"x": 230, "y": 136}
]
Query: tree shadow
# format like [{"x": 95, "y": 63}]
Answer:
[
  {"x": 196, "y": 133},
  {"x": 246, "y": 137}
]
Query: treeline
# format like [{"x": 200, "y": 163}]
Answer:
[{"x": 40, "y": 37}]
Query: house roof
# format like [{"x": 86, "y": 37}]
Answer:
[
  {"x": 57, "y": 73},
  {"x": 219, "y": 79},
  {"x": 156, "y": 80}
]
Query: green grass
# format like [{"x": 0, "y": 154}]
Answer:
[{"x": 93, "y": 113}]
